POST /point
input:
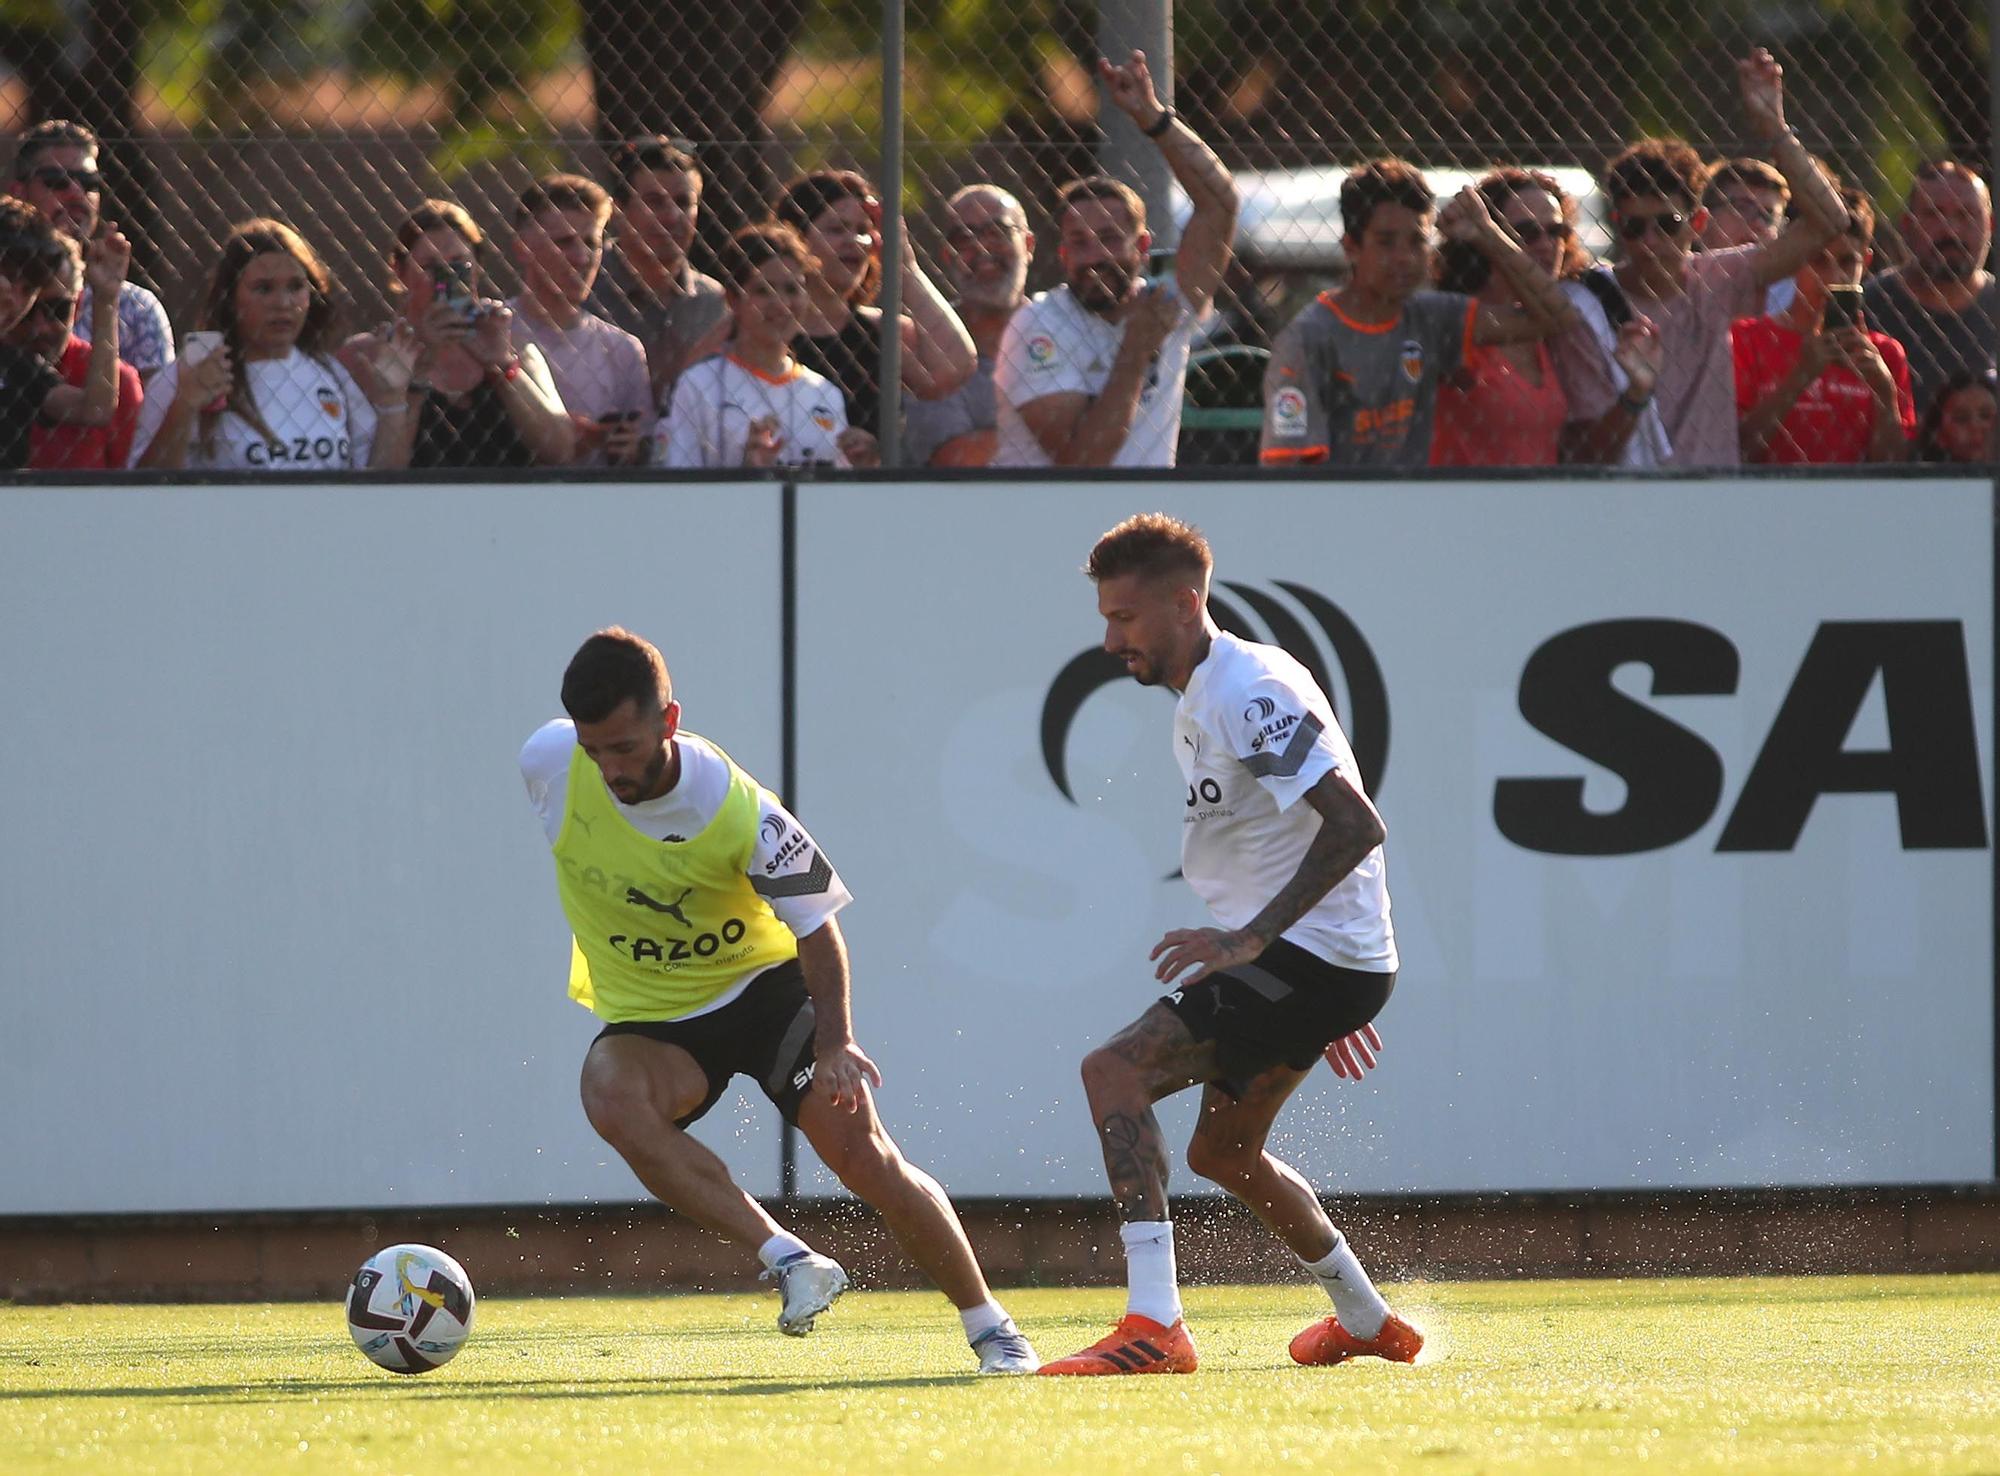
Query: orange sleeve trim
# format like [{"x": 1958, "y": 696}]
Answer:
[{"x": 1302, "y": 455}]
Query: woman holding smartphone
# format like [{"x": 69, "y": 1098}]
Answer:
[
  {"x": 473, "y": 401},
  {"x": 257, "y": 388},
  {"x": 1813, "y": 383}
]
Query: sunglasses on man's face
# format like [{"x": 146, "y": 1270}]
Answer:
[
  {"x": 994, "y": 235},
  {"x": 55, "y": 177},
  {"x": 55, "y": 309},
  {"x": 1668, "y": 223},
  {"x": 1528, "y": 232}
]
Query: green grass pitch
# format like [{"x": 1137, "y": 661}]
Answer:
[{"x": 1799, "y": 1375}]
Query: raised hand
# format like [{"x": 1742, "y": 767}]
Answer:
[
  {"x": 1640, "y": 353},
  {"x": 1762, "y": 82},
  {"x": 1131, "y": 89},
  {"x": 205, "y": 382},
  {"x": 392, "y": 359},
  {"x": 1465, "y": 218},
  {"x": 107, "y": 258}
]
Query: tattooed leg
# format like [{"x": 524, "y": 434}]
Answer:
[{"x": 1151, "y": 1058}]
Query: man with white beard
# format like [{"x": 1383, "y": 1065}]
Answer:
[{"x": 987, "y": 249}]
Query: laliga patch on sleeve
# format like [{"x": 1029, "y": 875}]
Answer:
[
  {"x": 1288, "y": 411},
  {"x": 1041, "y": 352}
]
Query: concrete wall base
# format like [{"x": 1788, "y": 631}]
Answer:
[{"x": 573, "y": 1249}]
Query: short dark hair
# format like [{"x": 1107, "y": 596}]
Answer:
[
  {"x": 1666, "y": 167},
  {"x": 1101, "y": 187},
  {"x": 562, "y": 192},
  {"x": 1985, "y": 378},
  {"x": 1150, "y": 544},
  {"x": 754, "y": 245},
  {"x": 611, "y": 668},
  {"x": 52, "y": 133},
  {"x": 808, "y": 197},
  {"x": 640, "y": 155},
  {"x": 1751, "y": 173},
  {"x": 1382, "y": 182},
  {"x": 30, "y": 248}
]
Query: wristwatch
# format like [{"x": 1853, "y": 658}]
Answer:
[{"x": 1160, "y": 124}]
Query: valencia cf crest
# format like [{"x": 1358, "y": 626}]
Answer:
[
  {"x": 329, "y": 402},
  {"x": 1413, "y": 360}
]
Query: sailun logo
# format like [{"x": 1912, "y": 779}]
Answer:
[{"x": 1308, "y": 625}]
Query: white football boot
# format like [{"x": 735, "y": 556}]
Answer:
[
  {"x": 1005, "y": 1350},
  {"x": 810, "y": 1283}
]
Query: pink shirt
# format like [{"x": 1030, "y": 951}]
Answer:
[
  {"x": 1697, "y": 388},
  {"x": 599, "y": 370},
  {"x": 1491, "y": 414}
]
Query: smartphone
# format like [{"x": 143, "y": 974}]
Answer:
[
  {"x": 1843, "y": 307},
  {"x": 452, "y": 284},
  {"x": 199, "y": 344}
]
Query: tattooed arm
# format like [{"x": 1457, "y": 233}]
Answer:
[{"x": 1349, "y": 829}]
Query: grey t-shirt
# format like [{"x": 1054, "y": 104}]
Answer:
[
  {"x": 1940, "y": 345},
  {"x": 668, "y": 327},
  {"x": 1362, "y": 394},
  {"x": 928, "y": 424}
]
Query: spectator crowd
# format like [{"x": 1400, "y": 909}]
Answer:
[{"x": 1743, "y": 321}]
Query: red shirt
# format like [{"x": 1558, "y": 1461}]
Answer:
[
  {"x": 1491, "y": 414},
  {"x": 1834, "y": 417},
  {"x": 88, "y": 447}
]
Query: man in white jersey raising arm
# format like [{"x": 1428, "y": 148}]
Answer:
[
  {"x": 1283, "y": 845},
  {"x": 705, "y": 938},
  {"x": 1093, "y": 373}
]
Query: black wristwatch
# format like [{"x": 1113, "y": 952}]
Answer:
[{"x": 1160, "y": 124}]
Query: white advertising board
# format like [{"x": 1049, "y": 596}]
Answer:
[
  {"x": 1686, "y": 786},
  {"x": 277, "y": 926}
]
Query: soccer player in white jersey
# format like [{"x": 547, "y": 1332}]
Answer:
[
  {"x": 755, "y": 404},
  {"x": 705, "y": 938},
  {"x": 1283, "y": 845}
]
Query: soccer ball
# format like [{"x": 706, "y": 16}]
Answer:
[{"x": 410, "y": 1308}]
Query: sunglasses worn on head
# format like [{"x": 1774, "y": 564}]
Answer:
[
  {"x": 1528, "y": 232},
  {"x": 55, "y": 177},
  {"x": 1668, "y": 223}
]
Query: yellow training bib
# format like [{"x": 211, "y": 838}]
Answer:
[{"x": 660, "y": 927}]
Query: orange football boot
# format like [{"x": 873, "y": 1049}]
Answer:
[
  {"x": 1138, "y": 1345},
  {"x": 1327, "y": 1342}
]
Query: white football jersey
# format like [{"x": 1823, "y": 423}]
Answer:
[
  {"x": 1252, "y": 733},
  {"x": 708, "y": 422},
  {"x": 1055, "y": 346}
]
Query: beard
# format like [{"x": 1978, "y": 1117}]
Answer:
[{"x": 1103, "y": 286}]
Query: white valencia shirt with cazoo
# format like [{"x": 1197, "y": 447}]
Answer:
[
  {"x": 708, "y": 422},
  {"x": 318, "y": 418},
  {"x": 1252, "y": 733}
]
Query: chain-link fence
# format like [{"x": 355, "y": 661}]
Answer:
[{"x": 341, "y": 117}]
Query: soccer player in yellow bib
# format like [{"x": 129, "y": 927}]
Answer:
[{"x": 705, "y": 939}]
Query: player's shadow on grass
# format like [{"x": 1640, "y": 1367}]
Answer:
[{"x": 620, "y": 1388}]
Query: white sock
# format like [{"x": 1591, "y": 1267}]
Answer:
[
  {"x": 981, "y": 1320},
  {"x": 781, "y": 1247},
  {"x": 1356, "y": 1303},
  {"x": 1154, "y": 1290}
]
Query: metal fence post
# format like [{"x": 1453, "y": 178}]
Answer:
[
  {"x": 890, "y": 428},
  {"x": 1124, "y": 154}
]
